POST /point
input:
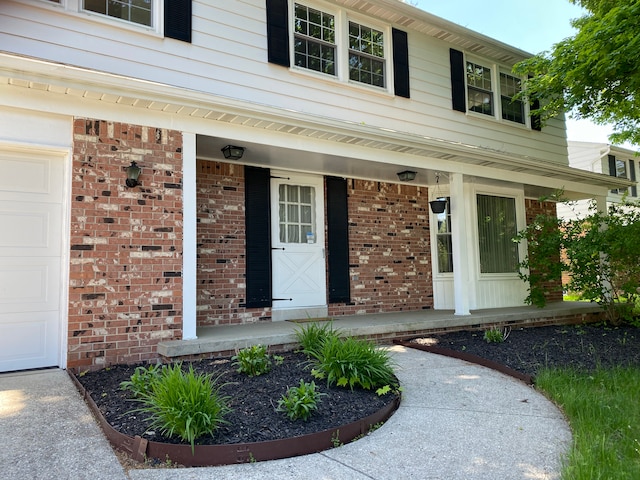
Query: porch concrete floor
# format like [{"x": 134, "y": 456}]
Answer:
[{"x": 229, "y": 338}]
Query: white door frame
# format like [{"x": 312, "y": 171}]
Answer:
[{"x": 311, "y": 290}]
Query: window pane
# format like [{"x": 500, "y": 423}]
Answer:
[
  {"x": 295, "y": 208},
  {"x": 305, "y": 195},
  {"x": 314, "y": 40},
  {"x": 293, "y": 234},
  {"x": 443, "y": 240},
  {"x": 479, "y": 89},
  {"x": 445, "y": 254},
  {"x": 134, "y": 11},
  {"x": 366, "y": 55},
  {"x": 496, "y": 228},
  {"x": 512, "y": 110}
]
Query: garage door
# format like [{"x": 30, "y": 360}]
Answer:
[{"x": 31, "y": 193}]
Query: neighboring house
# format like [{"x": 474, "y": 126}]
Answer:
[
  {"x": 607, "y": 159},
  {"x": 324, "y": 104}
]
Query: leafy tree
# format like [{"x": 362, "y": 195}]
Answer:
[
  {"x": 601, "y": 257},
  {"x": 595, "y": 73}
]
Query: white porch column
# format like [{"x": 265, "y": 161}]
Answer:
[
  {"x": 459, "y": 244},
  {"x": 189, "y": 239}
]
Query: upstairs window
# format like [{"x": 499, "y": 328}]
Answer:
[
  {"x": 315, "y": 40},
  {"x": 338, "y": 44},
  {"x": 480, "y": 92},
  {"x": 621, "y": 168},
  {"x": 512, "y": 110},
  {"x": 366, "y": 55},
  {"x": 139, "y": 12},
  {"x": 484, "y": 88},
  {"x": 347, "y": 50}
]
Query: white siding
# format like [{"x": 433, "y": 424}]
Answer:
[{"x": 228, "y": 58}]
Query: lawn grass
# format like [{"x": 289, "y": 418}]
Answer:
[{"x": 603, "y": 409}]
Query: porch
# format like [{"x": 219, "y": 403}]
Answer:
[{"x": 218, "y": 341}]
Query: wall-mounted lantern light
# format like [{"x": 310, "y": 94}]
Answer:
[
  {"x": 133, "y": 172},
  {"x": 406, "y": 176},
  {"x": 233, "y": 153}
]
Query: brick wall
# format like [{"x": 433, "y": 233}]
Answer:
[
  {"x": 221, "y": 246},
  {"x": 389, "y": 249},
  {"x": 534, "y": 208},
  {"x": 390, "y": 262},
  {"x": 125, "y": 290}
]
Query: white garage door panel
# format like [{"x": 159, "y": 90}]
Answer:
[
  {"x": 28, "y": 285},
  {"x": 31, "y": 233},
  {"x": 30, "y": 229},
  {"x": 29, "y": 177},
  {"x": 25, "y": 341}
]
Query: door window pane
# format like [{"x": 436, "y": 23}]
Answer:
[
  {"x": 496, "y": 229},
  {"x": 296, "y": 214}
]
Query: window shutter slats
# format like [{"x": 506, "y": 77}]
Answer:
[
  {"x": 536, "y": 121},
  {"x": 612, "y": 165},
  {"x": 177, "y": 19},
  {"x": 400, "y": 63},
  {"x": 338, "y": 240},
  {"x": 458, "y": 94},
  {"x": 258, "y": 237},
  {"x": 278, "y": 32}
]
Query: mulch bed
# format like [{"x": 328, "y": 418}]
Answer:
[{"x": 253, "y": 401}]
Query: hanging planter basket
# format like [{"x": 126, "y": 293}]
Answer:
[{"x": 438, "y": 205}]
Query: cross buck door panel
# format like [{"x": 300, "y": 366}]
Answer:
[{"x": 297, "y": 206}]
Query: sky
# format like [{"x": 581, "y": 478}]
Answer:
[{"x": 530, "y": 25}]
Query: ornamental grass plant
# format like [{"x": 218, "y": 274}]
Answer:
[
  {"x": 354, "y": 363},
  {"x": 184, "y": 404}
]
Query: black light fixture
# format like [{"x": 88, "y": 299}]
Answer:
[
  {"x": 133, "y": 172},
  {"x": 406, "y": 176},
  {"x": 233, "y": 153}
]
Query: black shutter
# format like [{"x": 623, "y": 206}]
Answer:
[
  {"x": 458, "y": 94},
  {"x": 612, "y": 165},
  {"x": 258, "y": 237},
  {"x": 338, "y": 240},
  {"x": 632, "y": 176},
  {"x": 536, "y": 122},
  {"x": 278, "y": 32},
  {"x": 400, "y": 63},
  {"x": 177, "y": 19}
]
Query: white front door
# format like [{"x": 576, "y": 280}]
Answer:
[
  {"x": 297, "y": 231},
  {"x": 31, "y": 222}
]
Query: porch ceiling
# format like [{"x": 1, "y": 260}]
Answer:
[{"x": 423, "y": 154}]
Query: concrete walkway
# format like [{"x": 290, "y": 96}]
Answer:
[{"x": 457, "y": 421}]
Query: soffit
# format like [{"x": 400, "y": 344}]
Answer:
[
  {"x": 21, "y": 72},
  {"x": 409, "y": 17}
]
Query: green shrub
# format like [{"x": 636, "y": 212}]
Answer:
[
  {"x": 185, "y": 404},
  {"x": 253, "y": 361},
  {"x": 496, "y": 335},
  {"x": 353, "y": 362},
  {"x": 312, "y": 336},
  {"x": 301, "y": 401},
  {"x": 142, "y": 380}
]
